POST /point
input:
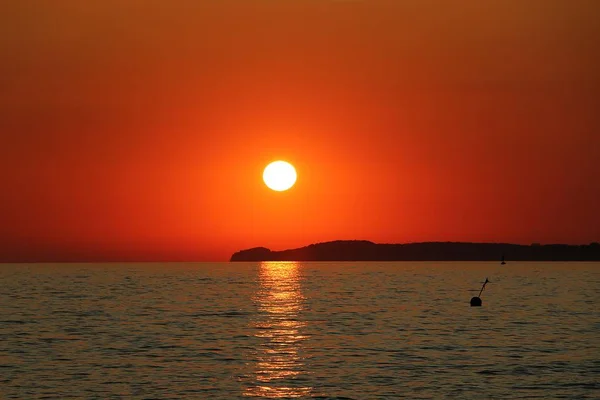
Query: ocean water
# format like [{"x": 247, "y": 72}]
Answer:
[{"x": 299, "y": 330}]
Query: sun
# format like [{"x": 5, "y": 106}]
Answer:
[{"x": 279, "y": 175}]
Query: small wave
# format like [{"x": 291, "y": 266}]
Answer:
[{"x": 489, "y": 372}]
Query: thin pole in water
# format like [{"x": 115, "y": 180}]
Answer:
[{"x": 483, "y": 287}]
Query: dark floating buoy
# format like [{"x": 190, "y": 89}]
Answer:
[{"x": 476, "y": 301}]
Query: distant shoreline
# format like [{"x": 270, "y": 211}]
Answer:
[{"x": 362, "y": 250}]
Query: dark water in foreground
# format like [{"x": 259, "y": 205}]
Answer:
[{"x": 276, "y": 330}]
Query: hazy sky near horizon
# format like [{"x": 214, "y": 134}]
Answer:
[{"x": 138, "y": 130}]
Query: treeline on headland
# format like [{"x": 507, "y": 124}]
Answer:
[{"x": 362, "y": 250}]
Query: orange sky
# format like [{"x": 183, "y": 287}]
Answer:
[{"x": 138, "y": 130}]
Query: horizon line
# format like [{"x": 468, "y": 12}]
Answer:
[{"x": 175, "y": 260}]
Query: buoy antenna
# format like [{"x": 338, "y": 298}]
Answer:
[{"x": 483, "y": 287}]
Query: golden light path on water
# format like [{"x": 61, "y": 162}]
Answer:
[{"x": 279, "y": 362}]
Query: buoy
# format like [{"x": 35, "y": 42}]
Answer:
[{"x": 476, "y": 301}]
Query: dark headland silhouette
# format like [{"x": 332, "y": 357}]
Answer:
[{"x": 363, "y": 250}]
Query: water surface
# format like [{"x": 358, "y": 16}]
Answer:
[{"x": 283, "y": 330}]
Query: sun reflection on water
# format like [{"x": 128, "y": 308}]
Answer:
[{"x": 279, "y": 362}]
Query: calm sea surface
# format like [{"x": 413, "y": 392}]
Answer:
[{"x": 281, "y": 330}]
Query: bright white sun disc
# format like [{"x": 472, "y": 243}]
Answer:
[{"x": 279, "y": 175}]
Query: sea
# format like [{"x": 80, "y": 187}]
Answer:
[{"x": 352, "y": 330}]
